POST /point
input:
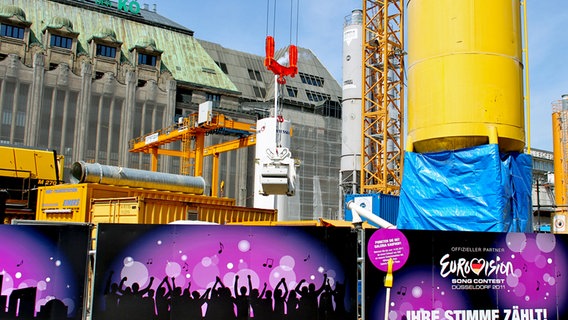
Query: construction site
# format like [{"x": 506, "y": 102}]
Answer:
[{"x": 148, "y": 174}]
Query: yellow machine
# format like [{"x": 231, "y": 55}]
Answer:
[
  {"x": 191, "y": 132},
  {"x": 468, "y": 90},
  {"x": 560, "y": 149},
  {"x": 22, "y": 171},
  {"x": 93, "y": 202}
]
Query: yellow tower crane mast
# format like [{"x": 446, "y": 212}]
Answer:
[{"x": 383, "y": 96}]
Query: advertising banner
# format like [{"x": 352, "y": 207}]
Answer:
[
  {"x": 466, "y": 275},
  {"x": 43, "y": 271},
  {"x": 224, "y": 272}
]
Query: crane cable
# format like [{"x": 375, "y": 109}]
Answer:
[
  {"x": 291, "y": 32},
  {"x": 270, "y": 62},
  {"x": 280, "y": 71}
]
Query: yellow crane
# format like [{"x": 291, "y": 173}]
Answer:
[
  {"x": 383, "y": 96},
  {"x": 191, "y": 132}
]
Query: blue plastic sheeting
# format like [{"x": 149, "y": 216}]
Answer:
[{"x": 473, "y": 189}]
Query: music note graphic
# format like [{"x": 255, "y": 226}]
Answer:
[
  {"x": 150, "y": 261},
  {"x": 402, "y": 291},
  {"x": 185, "y": 266},
  {"x": 268, "y": 263},
  {"x": 537, "y": 285},
  {"x": 19, "y": 264},
  {"x": 307, "y": 258},
  {"x": 221, "y": 247}
]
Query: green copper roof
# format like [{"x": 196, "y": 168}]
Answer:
[
  {"x": 182, "y": 54},
  {"x": 58, "y": 22},
  {"x": 103, "y": 33},
  {"x": 9, "y": 11},
  {"x": 146, "y": 42}
]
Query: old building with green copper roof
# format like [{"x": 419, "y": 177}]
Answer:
[
  {"x": 182, "y": 55},
  {"x": 86, "y": 77}
]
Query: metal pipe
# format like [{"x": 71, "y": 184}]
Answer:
[
  {"x": 83, "y": 172},
  {"x": 369, "y": 215}
]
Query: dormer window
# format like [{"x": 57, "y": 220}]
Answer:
[
  {"x": 106, "y": 51},
  {"x": 104, "y": 47},
  {"x": 61, "y": 41},
  {"x": 147, "y": 59},
  {"x": 11, "y": 31},
  {"x": 14, "y": 31}
]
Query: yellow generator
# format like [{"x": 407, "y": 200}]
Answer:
[
  {"x": 93, "y": 202},
  {"x": 22, "y": 171}
]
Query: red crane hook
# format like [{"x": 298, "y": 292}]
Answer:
[{"x": 281, "y": 71}]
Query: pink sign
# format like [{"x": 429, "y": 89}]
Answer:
[{"x": 385, "y": 244}]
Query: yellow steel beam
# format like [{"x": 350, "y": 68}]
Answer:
[
  {"x": 175, "y": 132},
  {"x": 230, "y": 145},
  {"x": 158, "y": 138},
  {"x": 199, "y": 145},
  {"x": 215, "y": 176},
  {"x": 154, "y": 160}
]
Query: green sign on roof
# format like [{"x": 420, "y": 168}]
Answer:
[{"x": 132, "y": 7}]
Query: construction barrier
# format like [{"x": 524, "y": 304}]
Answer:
[{"x": 467, "y": 275}]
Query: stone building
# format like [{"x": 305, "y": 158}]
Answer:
[{"x": 86, "y": 77}]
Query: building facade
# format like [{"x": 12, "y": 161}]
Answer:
[{"x": 86, "y": 77}]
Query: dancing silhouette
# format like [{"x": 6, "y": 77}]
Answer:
[{"x": 170, "y": 302}]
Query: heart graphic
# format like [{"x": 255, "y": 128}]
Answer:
[{"x": 477, "y": 265}]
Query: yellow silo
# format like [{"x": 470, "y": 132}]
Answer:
[{"x": 465, "y": 75}]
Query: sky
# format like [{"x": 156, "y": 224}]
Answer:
[{"x": 318, "y": 25}]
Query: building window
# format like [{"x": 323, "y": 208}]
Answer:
[
  {"x": 60, "y": 41},
  {"x": 7, "y": 118},
  {"x": 7, "y": 30},
  {"x": 254, "y": 75},
  {"x": 316, "y": 96},
  {"x": 183, "y": 95},
  {"x": 292, "y": 92},
  {"x": 20, "y": 119},
  {"x": 215, "y": 98},
  {"x": 311, "y": 79},
  {"x": 147, "y": 59},
  {"x": 259, "y": 92},
  {"x": 106, "y": 51},
  {"x": 223, "y": 66}
]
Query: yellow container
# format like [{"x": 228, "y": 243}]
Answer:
[
  {"x": 152, "y": 211},
  {"x": 72, "y": 202},
  {"x": 138, "y": 210},
  {"x": 465, "y": 79}
]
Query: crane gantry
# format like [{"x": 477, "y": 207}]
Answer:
[
  {"x": 191, "y": 132},
  {"x": 383, "y": 96}
]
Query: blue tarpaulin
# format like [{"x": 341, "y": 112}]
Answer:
[{"x": 472, "y": 189}]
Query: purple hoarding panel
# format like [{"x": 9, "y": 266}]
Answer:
[
  {"x": 225, "y": 272},
  {"x": 474, "y": 275},
  {"x": 43, "y": 271}
]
